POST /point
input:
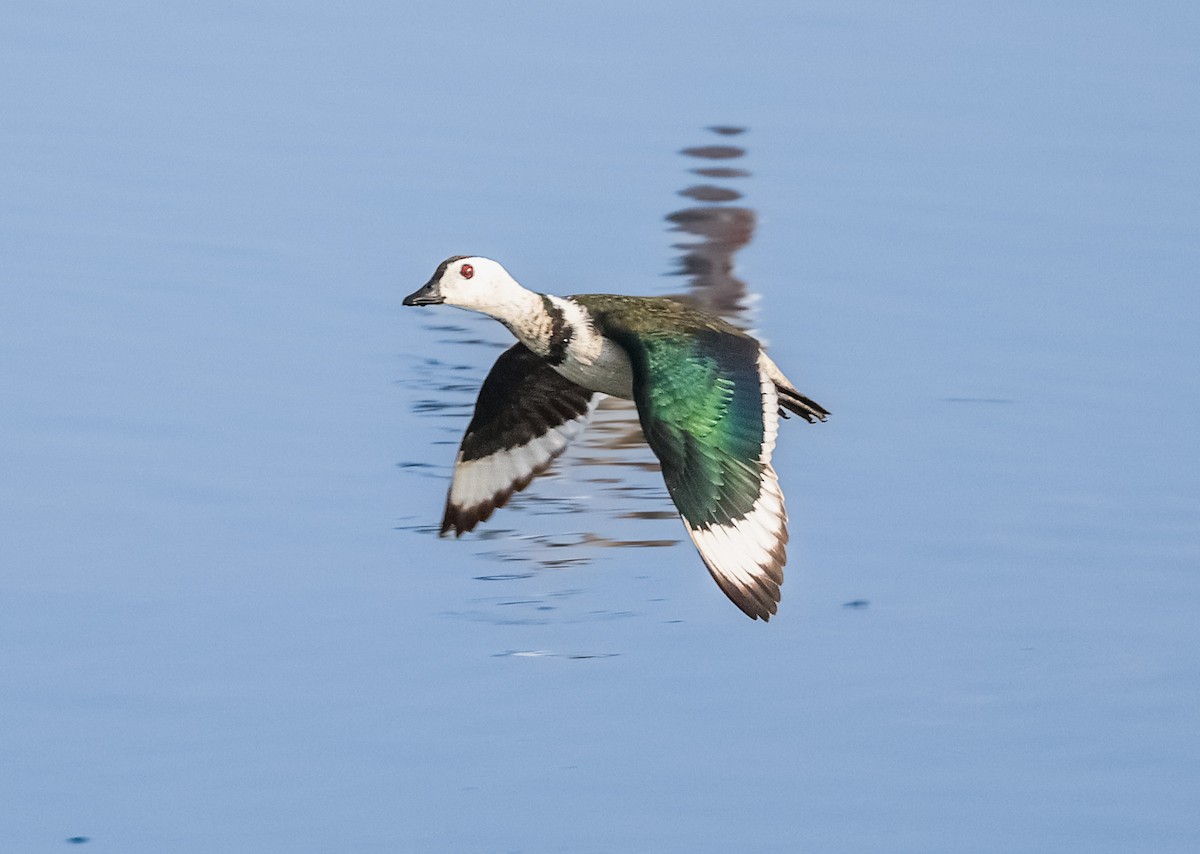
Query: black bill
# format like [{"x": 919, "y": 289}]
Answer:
[{"x": 428, "y": 294}]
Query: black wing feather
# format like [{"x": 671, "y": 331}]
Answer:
[{"x": 521, "y": 402}]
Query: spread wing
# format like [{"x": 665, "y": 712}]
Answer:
[
  {"x": 525, "y": 416},
  {"x": 710, "y": 412}
]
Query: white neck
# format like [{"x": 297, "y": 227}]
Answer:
[
  {"x": 525, "y": 315},
  {"x": 548, "y": 325}
]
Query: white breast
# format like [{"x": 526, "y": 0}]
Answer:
[
  {"x": 592, "y": 361},
  {"x": 602, "y": 367}
]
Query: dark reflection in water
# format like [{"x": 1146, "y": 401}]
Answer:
[
  {"x": 613, "y": 483},
  {"x": 721, "y": 230}
]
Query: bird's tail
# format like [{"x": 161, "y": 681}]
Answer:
[{"x": 791, "y": 400}]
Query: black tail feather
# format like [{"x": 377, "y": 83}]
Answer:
[{"x": 793, "y": 401}]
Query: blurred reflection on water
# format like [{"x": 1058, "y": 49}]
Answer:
[
  {"x": 722, "y": 230},
  {"x": 608, "y": 482}
]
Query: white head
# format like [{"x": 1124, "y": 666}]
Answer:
[{"x": 478, "y": 284}]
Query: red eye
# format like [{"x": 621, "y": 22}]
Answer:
[{"x": 467, "y": 271}]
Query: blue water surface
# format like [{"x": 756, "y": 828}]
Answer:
[{"x": 972, "y": 231}]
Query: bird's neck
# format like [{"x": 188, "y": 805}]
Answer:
[{"x": 552, "y": 327}]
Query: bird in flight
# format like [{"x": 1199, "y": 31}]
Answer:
[{"x": 708, "y": 398}]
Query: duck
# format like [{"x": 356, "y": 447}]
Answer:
[{"x": 708, "y": 397}]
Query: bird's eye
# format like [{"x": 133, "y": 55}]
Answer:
[{"x": 467, "y": 271}]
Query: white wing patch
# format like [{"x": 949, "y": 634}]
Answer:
[
  {"x": 746, "y": 557},
  {"x": 480, "y": 486}
]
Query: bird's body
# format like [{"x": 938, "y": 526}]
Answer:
[{"x": 708, "y": 399}]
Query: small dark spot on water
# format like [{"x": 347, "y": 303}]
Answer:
[
  {"x": 505, "y": 576},
  {"x": 726, "y": 130},
  {"x": 856, "y": 604},
  {"x": 79, "y": 840}
]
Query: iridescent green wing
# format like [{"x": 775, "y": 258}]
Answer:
[
  {"x": 710, "y": 415},
  {"x": 701, "y": 410}
]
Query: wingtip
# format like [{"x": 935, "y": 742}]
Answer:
[
  {"x": 758, "y": 600},
  {"x": 463, "y": 520},
  {"x": 758, "y": 608},
  {"x": 755, "y": 609},
  {"x": 746, "y": 557}
]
